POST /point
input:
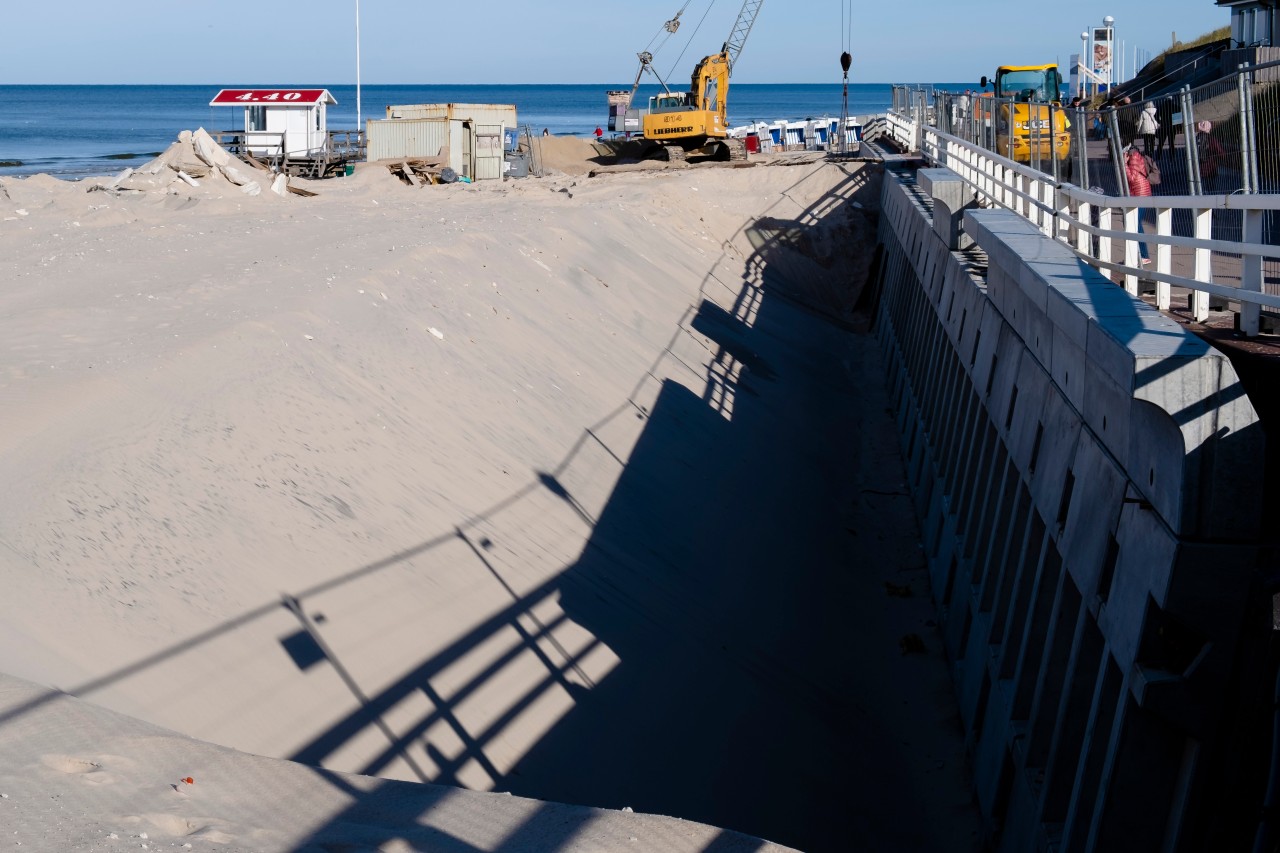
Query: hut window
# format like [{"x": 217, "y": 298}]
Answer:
[{"x": 257, "y": 118}]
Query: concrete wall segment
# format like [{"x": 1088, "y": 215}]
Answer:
[
  {"x": 1094, "y": 514},
  {"x": 1009, "y": 353},
  {"x": 1052, "y": 462},
  {"x": 1061, "y": 306},
  {"x": 1134, "y": 422},
  {"x": 1106, "y": 412},
  {"x": 1069, "y": 367}
]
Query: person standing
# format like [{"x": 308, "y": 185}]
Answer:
[
  {"x": 599, "y": 134},
  {"x": 1135, "y": 170},
  {"x": 1147, "y": 127},
  {"x": 1166, "y": 130},
  {"x": 1211, "y": 153}
]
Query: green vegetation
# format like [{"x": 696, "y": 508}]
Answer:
[{"x": 1215, "y": 35}]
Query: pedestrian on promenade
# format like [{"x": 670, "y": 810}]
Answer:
[
  {"x": 1125, "y": 120},
  {"x": 1136, "y": 170},
  {"x": 1148, "y": 124},
  {"x": 1211, "y": 152},
  {"x": 1165, "y": 129}
]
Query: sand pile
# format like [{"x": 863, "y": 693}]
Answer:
[
  {"x": 19, "y": 197},
  {"x": 195, "y": 160},
  {"x": 539, "y": 486},
  {"x": 567, "y": 155}
]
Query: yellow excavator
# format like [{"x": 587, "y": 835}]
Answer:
[
  {"x": 1027, "y": 130},
  {"x": 680, "y": 124}
]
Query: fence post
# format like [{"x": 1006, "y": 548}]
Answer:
[
  {"x": 1131, "y": 251},
  {"x": 1202, "y": 269},
  {"x": 1052, "y": 140},
  {"x": 919, "y": 112},
  {"x": 1163, "y": 256},
  {"x": 1080, "y": 149},
  {"x": 1191, "y": 149},
  {"x": 1117, "y": 150},
  {"x": 1251, "y": 272},
  {"x": 1248, "y": 139}
]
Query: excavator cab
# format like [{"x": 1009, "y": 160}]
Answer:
[{"x": 669, "y": 102}]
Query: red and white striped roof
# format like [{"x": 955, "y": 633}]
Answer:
[{"x": 279, "y": 97}]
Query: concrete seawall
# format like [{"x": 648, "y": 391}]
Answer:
[{"x": 1087, "y": 475}]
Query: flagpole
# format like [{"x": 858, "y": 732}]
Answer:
[{"x": 359, "y": 114}]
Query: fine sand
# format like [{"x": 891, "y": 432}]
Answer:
[{"x": 578, "y": 487}]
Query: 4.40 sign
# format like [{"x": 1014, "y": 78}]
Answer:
[
  {"x": 270, "y": 96},
  {"x": 238, "y": 97}
]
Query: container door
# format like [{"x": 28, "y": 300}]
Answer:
[
  {"x": 488, "y": 152},
  {"x": 468, "y": 150},
  {"x": 460, "y": 147}
]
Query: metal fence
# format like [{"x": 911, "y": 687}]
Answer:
[{"x": 1214, "y": 152}]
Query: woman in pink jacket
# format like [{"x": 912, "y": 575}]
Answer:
[{"x": 1136, "y": 170}]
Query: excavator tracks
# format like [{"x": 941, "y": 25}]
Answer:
[
  {"x": 737, "y": 149},
  {"x": 674, "y": 154}
]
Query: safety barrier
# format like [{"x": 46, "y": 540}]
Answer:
[
  {"x": 1085, "y": 472},
  {"x": 1183, "y": 229},
  {"x": 1220, "y": 246}
]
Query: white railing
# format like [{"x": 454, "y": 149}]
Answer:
[{"x": 1106, "y": 232}]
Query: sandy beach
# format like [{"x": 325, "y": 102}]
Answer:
[{"x": 580, "y": 488}]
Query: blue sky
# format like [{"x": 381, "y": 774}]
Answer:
[{"x": 555, "y": 41}]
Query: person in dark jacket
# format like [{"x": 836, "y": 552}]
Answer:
[{"x": 1165, "y": 131}]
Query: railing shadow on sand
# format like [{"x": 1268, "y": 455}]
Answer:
[{"x": 693, "y": 657}]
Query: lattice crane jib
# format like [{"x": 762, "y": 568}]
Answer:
[{"x": 741, "y": 29}]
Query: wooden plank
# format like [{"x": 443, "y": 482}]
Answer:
[{"x": 408, "y": 173}]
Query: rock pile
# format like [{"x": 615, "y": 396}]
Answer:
[{"x": 195, "y": 160}]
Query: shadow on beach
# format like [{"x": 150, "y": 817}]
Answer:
[{"x": 736, "y": 571}]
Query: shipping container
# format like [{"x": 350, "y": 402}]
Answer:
[
  {"x": 503, "y": 114},
  {"x": 399, "y": 139},
  {"x": 471, "y": 135}
]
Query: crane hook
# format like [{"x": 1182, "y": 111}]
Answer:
[{"x": 845, "y": 61}]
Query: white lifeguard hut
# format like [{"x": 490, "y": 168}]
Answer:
[{"x": 290, "y": 124}]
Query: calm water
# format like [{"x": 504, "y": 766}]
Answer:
[{"x": 72, "y": 131}]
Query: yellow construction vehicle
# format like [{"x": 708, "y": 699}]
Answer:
[
  {"x": 679, "y": 124},
  {"x": 694, "y": 122},
  {"x": 1027, "y": 130}
]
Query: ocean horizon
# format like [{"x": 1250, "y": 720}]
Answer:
[{"x": 73, "y": 131}]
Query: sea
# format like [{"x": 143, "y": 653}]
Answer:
[{"x": 74, "y": 131}]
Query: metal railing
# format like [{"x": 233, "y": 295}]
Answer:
[{"x": 1212, "y": 222}]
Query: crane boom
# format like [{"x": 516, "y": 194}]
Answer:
[
  {"x": 741, "y": 29},
  {"x": 696, "y": 121}
]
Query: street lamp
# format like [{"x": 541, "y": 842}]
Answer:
[
  {"x": 1086, "y": 65},
  {"x": 1110, "y": 23}
]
